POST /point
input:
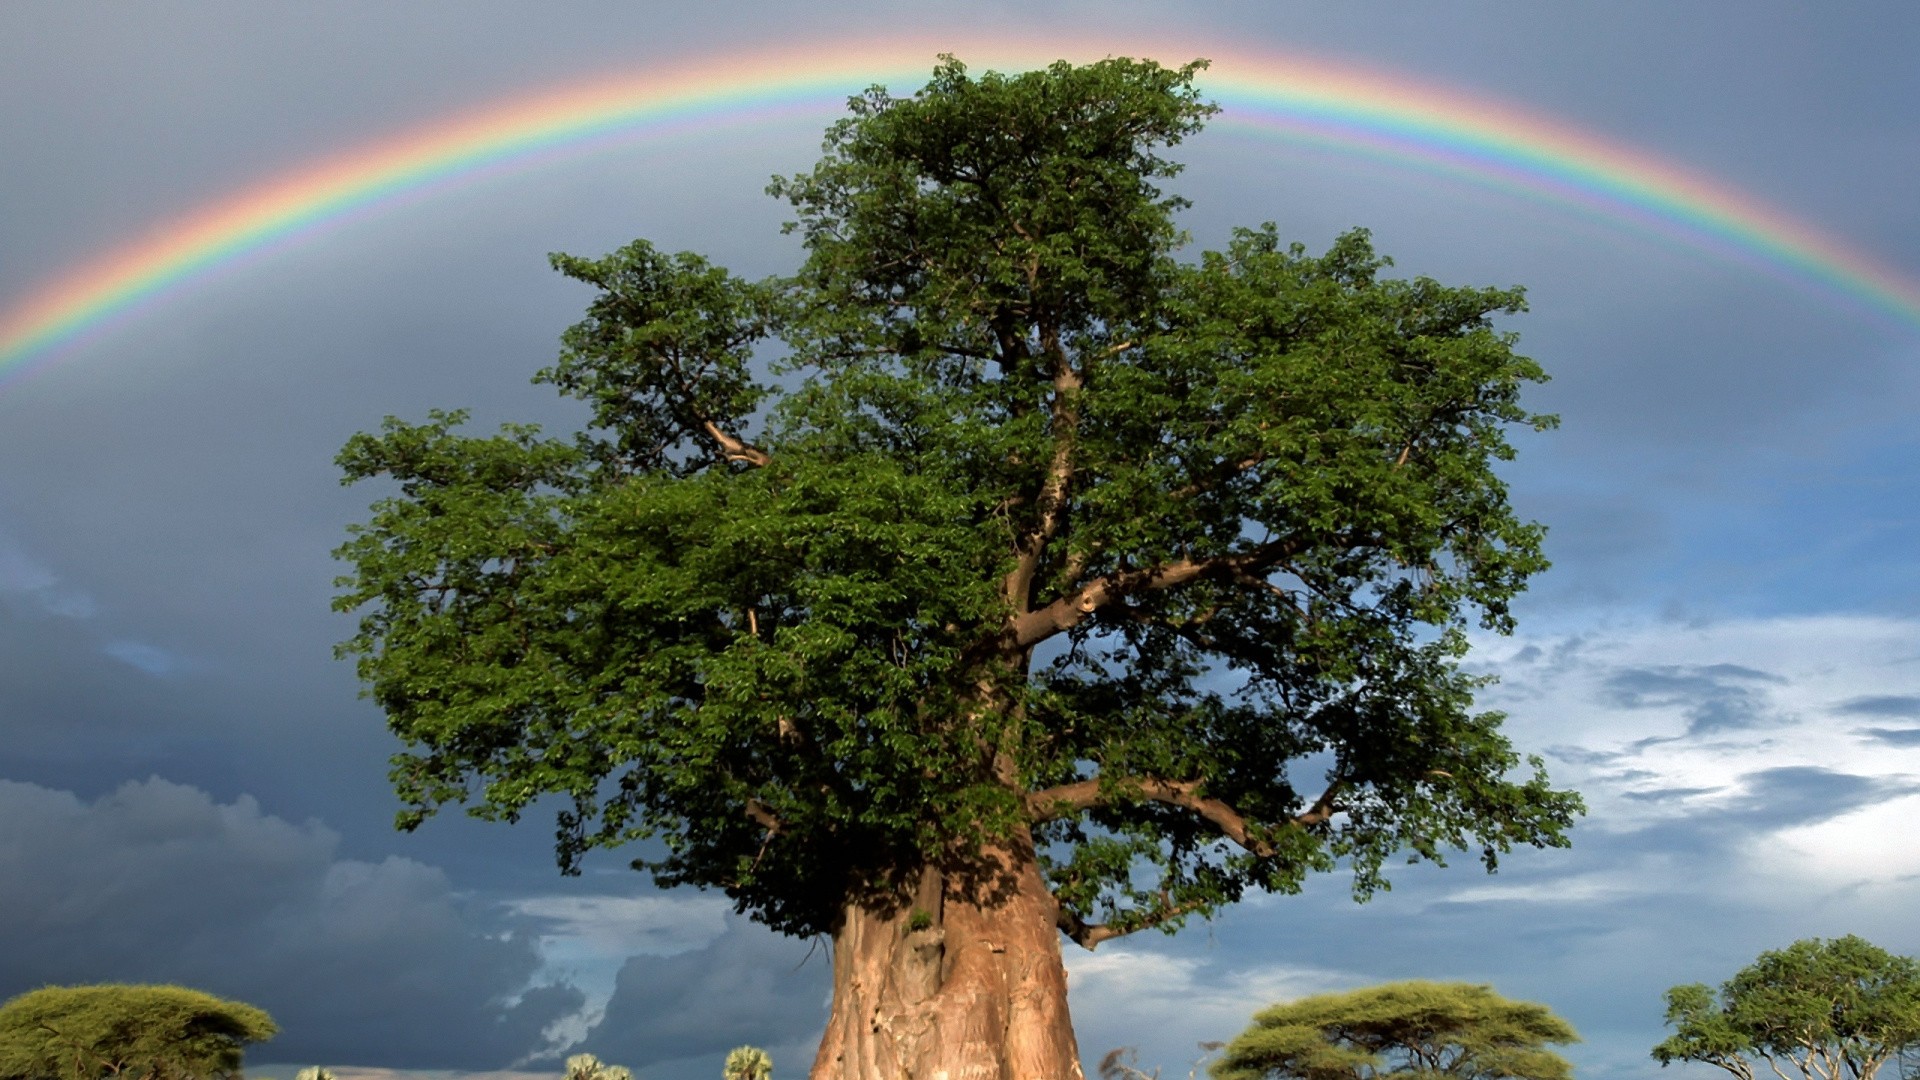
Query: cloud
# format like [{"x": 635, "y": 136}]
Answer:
[
  {"x": 1588, "y": 888},
  {"x": 1891, "y": 736},
  {"x": 1903, "y": 706},
  {"x": 148, "y": 658},
  {"x": 356, "y": 960},
  {"x": 586, "y": 941},
  {"x": 1869, "y": 843},
  {"x": 1791, "y": 796},
  {"x": 658, "y": 925},
  {"x": 1140, "y": 994},
  {"x": 1714, "y": 697},
  {"x": 748, "y": 985},
  {"x": 1723, "y": 726},
  {"x": 22, "y": 575}
]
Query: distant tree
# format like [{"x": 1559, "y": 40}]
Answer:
[
  {"x": 747, "y": 1063},
  {"x": 315, "y": 1072},
  {"x": 1047, "y": 585},
  {"x": 1123, "y": 1063},
  {"x": 126, "y": 1032},
  {"x": 588, "y": 1067},
  {"x": 1402, "y": 1029},
  {"x": 1834, "y": 1009}
]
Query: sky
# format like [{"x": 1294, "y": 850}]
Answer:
[{"x": 1725, "y": 658}]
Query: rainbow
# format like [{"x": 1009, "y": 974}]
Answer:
[{"x": 1292, "y": 98}]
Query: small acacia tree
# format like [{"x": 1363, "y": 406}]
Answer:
[
  {"x": 747, "y": 1063},
  {"x": 588, "y": 1067},
  {"x": 1049, "y": 585},
  {"x": 126, "y": 1032},
  {"x": 1403, "y": 1029},
  {"x": 1827, "y": 1010}
]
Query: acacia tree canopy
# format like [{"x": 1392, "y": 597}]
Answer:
[
  {"x": 1403, "y": 1029},
  {"x": 130, "y": 1032},
  {"x": 1827, "y": 1010}
]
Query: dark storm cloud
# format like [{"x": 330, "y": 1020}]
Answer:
[
  {"x": 1714, "y": 697},
  {"x": 357, "y": 961},
  {"x": 748, "y": 985}
]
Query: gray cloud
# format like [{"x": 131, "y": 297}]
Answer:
[
  {"x": 1892, "y": 736},
  {"x": 748, "y": 985},
  {"x": 1902, "y": 706},
  {"x": 1672, "y": 794},
  {"x": 357, "y": 961},
  {"x": 1714, "y": 697},
  {"x": 1805, "y": 794}
]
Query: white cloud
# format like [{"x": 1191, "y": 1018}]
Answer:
[
  {"x": 1662, "y": 721},
  {"x": 586, "y": 940},
  {"x": 656, "y": 925},
  {"x": 1871, "y": 845},
  {"x": 1588, "y": 888},
  {"x": 1131, "y": 996}
]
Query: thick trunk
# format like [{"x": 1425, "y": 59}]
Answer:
[{"x": 963, "y": 983}]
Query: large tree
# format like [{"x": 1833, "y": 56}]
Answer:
[
  {"x": 996, "y": 576},
  {"x": 1815, "y": 1010},
  {"x": 117, "y": 1031},
  {"x": 1400, "y": 1031}
]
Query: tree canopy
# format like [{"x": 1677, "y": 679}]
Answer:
[
  {"x": 995, "y": 519},
  {"x": 1834, "y": 1009},
  {"x": 1402, "y": 1029},
  {"x": 127, "y": 1032}
]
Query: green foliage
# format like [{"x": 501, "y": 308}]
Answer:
[
  {"x": 1403, "y": 1029},
  {"x": 1031, "y": 529},
  {"x": 129, "y": 1032},
  {"x": 747, "y": 1063},
  {"x": 1825, "y": 1008},
  {"x": 588, "y": 1067}
]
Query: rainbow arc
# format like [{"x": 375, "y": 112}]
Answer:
[{"x": 1346, "y": 107}]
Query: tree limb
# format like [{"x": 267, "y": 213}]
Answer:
[
  {"x": 1053, "y": 498},
  {"x": 1188, "y": 491},
  {"x": 1087, "y": 935},
  {"x": 1033, "y": 627},
  {"x": 764, "y": 817},
  {"x": 732, "y": 448},
  {"x": 1055, "y": 802}
]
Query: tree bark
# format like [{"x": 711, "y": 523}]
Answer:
[{"x": 962, "y": 982}]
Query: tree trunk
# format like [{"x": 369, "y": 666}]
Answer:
[{"x": 962, "y": 983}]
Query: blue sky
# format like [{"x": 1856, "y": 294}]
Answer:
[{"x": 1725, "y": 658}]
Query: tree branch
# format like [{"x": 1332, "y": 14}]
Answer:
[
  {"x": 1056, "y": 802},
  {"x": 1088, "y": 935},
  {"x": 1063, "y": 614},
  {"x": 1188, "y": 491},
  {"x": 763, "y": 817},
  {"x": 1053, "y": 499},
  {"x": 731, "y": 448}
]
